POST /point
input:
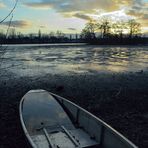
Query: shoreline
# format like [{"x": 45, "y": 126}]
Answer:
[
  {"x": 70, "y": 43},
  {"x": 118, "y": 99}
]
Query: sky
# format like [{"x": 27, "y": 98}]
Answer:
[{"x": 69, "y": 16}]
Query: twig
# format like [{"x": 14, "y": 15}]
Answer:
[
  {"x": 4, "y": 50},
  {"x": 16, "y": 1},
  {"x": 9, "y": 26},
  {"x": 6, "y": 36}
]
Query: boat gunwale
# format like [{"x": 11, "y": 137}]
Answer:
[
  {"x": 101, "y": 122},
  {"x": 23, "y": 124}
]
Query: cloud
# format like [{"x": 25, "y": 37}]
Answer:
[
  {"x": 2, "y": 5},
  {"x": 73, "y": 29},
  {"x": 42, "y": 26},
  {"x": 138, "y": 8},
  {"x": 144, "y": 20},
  {"x": 145, "y": 16},
  {"x": 38, "y": 5},
  {"x": 135, "y": 13},
  {"x": 82, "y": 16},
  {"x": 76, "y": 5},
  {"x": 83, "y": 9},
  {"x": 18, "y": 24}
]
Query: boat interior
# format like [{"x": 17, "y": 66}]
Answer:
[{"x": 52, "y": 121}]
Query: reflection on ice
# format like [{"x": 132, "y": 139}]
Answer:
[{"x": 35, "y": 60}]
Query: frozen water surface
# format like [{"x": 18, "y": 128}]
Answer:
[{"x": 62, "y": 59}]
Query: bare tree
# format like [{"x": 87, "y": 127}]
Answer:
[
  {"x": 39, "y": 34},
  {"x": 60, "y": 34},
  {"x": 89, "y": 31},
  {"x": 105, "y": 27},
  {"x": 134, "y": 28},
  {"x": 52, "y": 34},
  {"x": 118, "y": 28},
  {"x": 12, "y": 33},
  {"x": 3, "y": 49},
  {"x": 16, "y": 1}
]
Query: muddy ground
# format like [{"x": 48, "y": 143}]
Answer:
[{"x": 120, "y": 99}]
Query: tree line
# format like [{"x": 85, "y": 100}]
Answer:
[
  {"x": 106, "y": 31},
  {"x": 51, "y": 37},
  {"x": 103, "y": 31}
]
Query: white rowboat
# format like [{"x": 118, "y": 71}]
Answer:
[{"x": 50, "y": 121}]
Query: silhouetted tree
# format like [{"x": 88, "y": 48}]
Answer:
[
  {"x": 76, "y": 36},
  {"x": 20, "y": 35},
  {"x": 105, "y": 27},
  {"x": 134, "y": 28},
  {"x": 31, "y": 36},
  {"x": 70, "y": 37},
  {"x": 12, "y": 33},
  {"x": 89, "y": 31},
  {"x": 59, "y": 34},
  {"x": 118, "y": 28},
  {"x": 2, "y": 35},
  {"x": 111, "y": 32},
  {"x": 39, "y": 34}
]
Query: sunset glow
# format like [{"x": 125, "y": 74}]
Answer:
[{"x": 70, "y": 16}]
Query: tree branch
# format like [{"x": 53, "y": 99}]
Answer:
[{"x": 16, "y": 1}]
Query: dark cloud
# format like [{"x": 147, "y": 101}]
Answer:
[
  {"x": 18, "y": 23},
  {"x": 143, "y": 20},
  {"x": 82, "y": 16},
  {"x": 73, "y": 29},
  {"x": 134, "y": 12},
  {"x": 145, "y": 16},
  {"x": 138, "y": 8},
  {"x": 42, "y": 26},
  {"x": 38, "y": 5}
]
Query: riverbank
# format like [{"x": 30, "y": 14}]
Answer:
[{"x": 119, "y": 99}]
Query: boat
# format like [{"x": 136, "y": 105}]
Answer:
[{"x": 51, "y": 121}]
